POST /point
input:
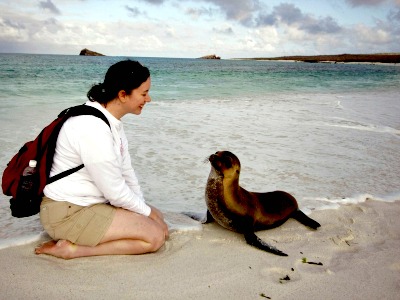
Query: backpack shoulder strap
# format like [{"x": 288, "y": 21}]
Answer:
[
  {"x": 74, "y": 112},
  {"x": 84, "y": 110}
]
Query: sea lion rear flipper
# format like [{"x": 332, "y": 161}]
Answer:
[
  {"x": 208, "y": 219},
  {"x": 305, "y": 220},
  {"x": 204, "y": 219},
  {"x": 255, "y": 241}
]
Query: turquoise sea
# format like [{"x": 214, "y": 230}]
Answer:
[{"x": 327, "y": 133}]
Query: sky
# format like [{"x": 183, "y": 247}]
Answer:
[{"x": 194, "y": 28}]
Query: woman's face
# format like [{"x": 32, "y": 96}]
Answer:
[{"x": 138, "y": 98}]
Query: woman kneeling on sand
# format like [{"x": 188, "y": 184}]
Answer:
[{"x": 100, "y": 209}]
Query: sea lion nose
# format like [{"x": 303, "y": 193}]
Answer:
[{"x": 213, "y": 157}]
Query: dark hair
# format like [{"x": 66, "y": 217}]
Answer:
[{"x": 125, "y": 75}]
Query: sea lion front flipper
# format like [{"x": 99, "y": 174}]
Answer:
[
  {"x": 305, "y": 220},
  {"x": 255, "y": 241}
]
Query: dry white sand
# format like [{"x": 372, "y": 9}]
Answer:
[{"x": 357, "y": 245}]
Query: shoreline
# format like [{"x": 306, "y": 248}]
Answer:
[
  {"x": 354, "y": 252},
  {"x": 379, "y": 59},
  {"x": 323, "y": 62}
]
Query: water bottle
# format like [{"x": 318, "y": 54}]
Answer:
[
  {"x": 27, "y": 202},
  {"x": 27, "y": 179}
]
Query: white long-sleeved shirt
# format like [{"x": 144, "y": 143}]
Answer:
[{"x": 107, "y": 175}]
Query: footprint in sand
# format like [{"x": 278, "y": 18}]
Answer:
[{"x": 343, "y": 239}]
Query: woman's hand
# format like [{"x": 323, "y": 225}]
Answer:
[{"x": 158, "y": 217}]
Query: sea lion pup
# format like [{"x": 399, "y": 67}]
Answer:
[{"x": 236, "y": 209}]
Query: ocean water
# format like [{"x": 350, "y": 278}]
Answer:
[{"x": 327, "y": 133}]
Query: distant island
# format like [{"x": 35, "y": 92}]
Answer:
[
  {"x": 87, "y": 52},
  {"x": 393, "y": 58},
  {"x": 211, "y": 56}
]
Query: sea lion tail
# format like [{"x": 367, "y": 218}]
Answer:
[
  {"x": 255, "y": 241},
  {"x": 304, "y": 219}
]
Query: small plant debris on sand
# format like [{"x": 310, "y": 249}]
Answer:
[
  {"x": 264, "y": 296},
  {"x": 304, "y": 261},
  {"x": 286, "y": 278}
]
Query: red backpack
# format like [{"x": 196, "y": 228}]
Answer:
[{"x": 41, "y": 150}]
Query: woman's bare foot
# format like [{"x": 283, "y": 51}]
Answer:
[{"x": 62, "y": 249}]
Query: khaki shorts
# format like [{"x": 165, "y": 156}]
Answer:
[{"x": 82, "y": 225}]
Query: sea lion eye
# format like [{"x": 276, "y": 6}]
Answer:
[{"x": 228, "y": 162}]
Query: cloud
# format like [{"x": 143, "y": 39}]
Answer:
[
  {"x": 12, "y": 30},
  {"x": 241, "y": 11},
  {"x": 198, "y": 12},
  {"x": 289, "y": 15},
  {"x": 14, "y": 24},
  {"x": 48, "y": 5},
  {"x": 366, "y": 35},
  {"x": 224, "y": 30},
  {"x": 356, "y": 3},
  {"x": 133, "y": 11},
  {"x": 155, "y": 2},
  {"x": 325, "y": 25},
  {"x": 169, "y": 32},
  {"x": 394, "y": 15}
]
